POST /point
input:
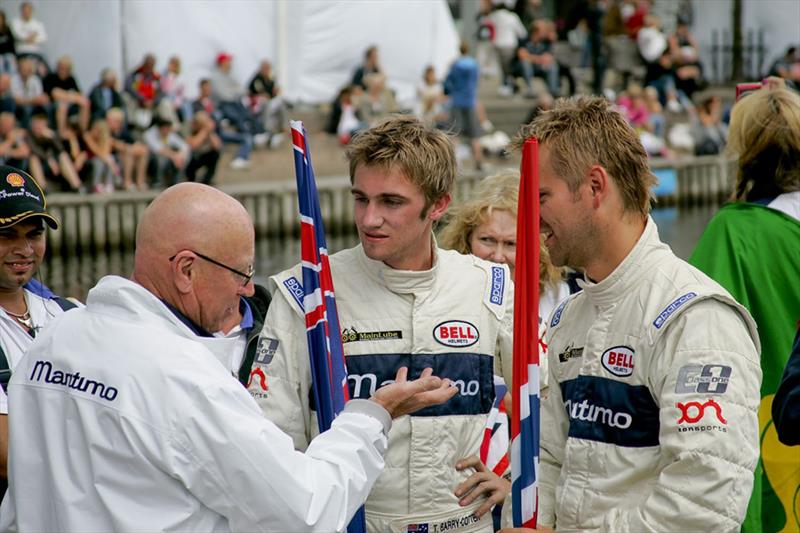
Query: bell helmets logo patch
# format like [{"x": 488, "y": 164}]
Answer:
[
  {"x": 618, "y": 360},
  {"x": 15, "y": 180},
  {"x": 456, "y": 334}
]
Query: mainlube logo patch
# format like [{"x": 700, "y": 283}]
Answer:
[
  {"x": 456, "y": 333},
  {"x": 619, "y": 361}
]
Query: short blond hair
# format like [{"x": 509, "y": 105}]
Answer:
[
  {"x": 765, "y": 135},
  {"x": 498, "y": 192},
  {"x": 424, "y": 154},
  {"x": 583, "y": 131}
]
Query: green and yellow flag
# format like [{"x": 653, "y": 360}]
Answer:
[{"x": 754, "y": 252}]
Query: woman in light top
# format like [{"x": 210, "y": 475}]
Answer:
[{"x": 486, "y": 226}]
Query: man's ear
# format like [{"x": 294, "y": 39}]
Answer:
[
  {"x": 439, "y": 207},
  {"x": 182, "y": 268},
  {"x": 599, "y": 185}
]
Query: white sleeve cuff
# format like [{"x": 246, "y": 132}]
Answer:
[{"x": 370, "y": 408}]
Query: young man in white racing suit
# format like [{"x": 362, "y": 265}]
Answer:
[
  {"x": 126, "y": 416},
  {"x": 401, "y": 301},
  {"x": 654, "y": 369}
]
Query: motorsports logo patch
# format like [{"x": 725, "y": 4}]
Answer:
[
  {"x": 352, "y": 335},
  {"x": 456, "y": 333},
  {"x": 570, "y": 353},
  {"x": 693, "y": 414},
  {"x": 618, "y": 360},
  {"x": 266, "y": 350}
]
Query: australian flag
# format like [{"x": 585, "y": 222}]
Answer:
[{"x": 328, "y": 370}]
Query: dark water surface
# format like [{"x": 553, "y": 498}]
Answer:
[{"x": 680, "y": 227}]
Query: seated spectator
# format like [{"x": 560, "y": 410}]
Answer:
[
  {"x": 61, "y": 87},
  {"x": 132, "y": 155},
  {"x": 8, "y": 52},
  {"x": 49, "y": 161},
  {"x": 345, "y": 119},
  {"x": 28, "y": 93},
  {"x": 29, "y": 36},
  {"x": 76, "y": 148},
  {"x": 14, "y": 149},
  {"x": 170, "y": 152},
  {"x": 101, "y": 163},
  {"x": 105, "y": 95},
  {"x": 686, "y": 58},
  {"x": 206, "y": 147},
  {"x": 268, "y": 104},
  {"x": 788, "y": 66},
  {"x": 229, "y": 94},
  {"x": 431, "y": 98},
  {"x": 370, "y": 65},
  {"x": 634, "y": 107},
  {"x": 7, "y": 103},
  {"x": 709, "y": 132},
  {"x": 661, "y": 76},
  {"x": 224, "y": 128},
  {"x": 535, "y": 58},
  {"x": 143, "y": 86},
  {"x": 174, "y": 89},
  {"x": 377, "y": 102},
  {"x": 655, "y": 112}
]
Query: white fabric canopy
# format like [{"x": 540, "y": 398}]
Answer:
[{"x": 314, "y": 45}]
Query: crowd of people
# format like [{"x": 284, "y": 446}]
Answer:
[
  {"x": 182, "y": 398},
  {"x": 145, "y": 133},
  {"x": 196, "y": 403}
]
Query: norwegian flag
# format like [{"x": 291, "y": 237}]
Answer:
[
  {"x": 325, "y": 351},
  {"x": 525, "y": 389},
  {"x": 494, "y": 447}
]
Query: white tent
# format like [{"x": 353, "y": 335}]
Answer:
[{"x": 314, "y": 45}]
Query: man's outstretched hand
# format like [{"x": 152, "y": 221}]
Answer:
[{"x": 403, "y": 397}]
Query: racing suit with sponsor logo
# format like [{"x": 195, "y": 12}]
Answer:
[
  {"x": 455, "y": 318},
  {"x": 124, "y": 419},
  {"x": 654, "y": 392}
]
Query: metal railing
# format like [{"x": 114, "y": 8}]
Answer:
[{"x": 107, "y": 222}]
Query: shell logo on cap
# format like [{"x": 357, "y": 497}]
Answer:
[{"x": 15, "y": 180}]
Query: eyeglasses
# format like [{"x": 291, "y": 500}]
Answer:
[{"x": 247, "y": 277}]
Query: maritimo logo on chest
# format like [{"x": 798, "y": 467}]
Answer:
[{"x": 456, "y": 333}]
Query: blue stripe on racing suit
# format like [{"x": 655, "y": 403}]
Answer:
[{"x": 472, "y": 373}]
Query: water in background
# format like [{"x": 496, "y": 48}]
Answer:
[{"x": 680, "y": 227}]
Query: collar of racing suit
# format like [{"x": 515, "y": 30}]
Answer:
[
  {"x": 628, "y": 272},
  {"x": 403, "y": 281}
]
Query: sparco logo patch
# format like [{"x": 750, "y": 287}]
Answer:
[
  {"x": 456, "y": 333},
  {"x": 557, "y": 314},
  {"x": 618, "y": 360},
  {"x": 498, "y": 281},
  {"x": 296, "y": 290},
  {"x": 671, "y": 308}
]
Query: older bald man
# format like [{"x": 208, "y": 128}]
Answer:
[{"x": 124, "y": 418}]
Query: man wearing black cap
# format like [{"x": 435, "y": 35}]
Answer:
[{"x": 25, "y": 304}]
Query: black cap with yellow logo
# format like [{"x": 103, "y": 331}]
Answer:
[{"x": 21, "y": 198}]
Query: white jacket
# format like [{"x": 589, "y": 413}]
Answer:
[
  {"x": 123, "y": 420},
  {"x": 454, "y": 318},
  {"x": 651, "y": 423}
]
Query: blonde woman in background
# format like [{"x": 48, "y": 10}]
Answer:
[{"x": 486, "y": 226}]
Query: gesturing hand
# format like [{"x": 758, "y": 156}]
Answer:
[
  {"x": 403, "y": 397},
  {"x": 483, "y": 481}
]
